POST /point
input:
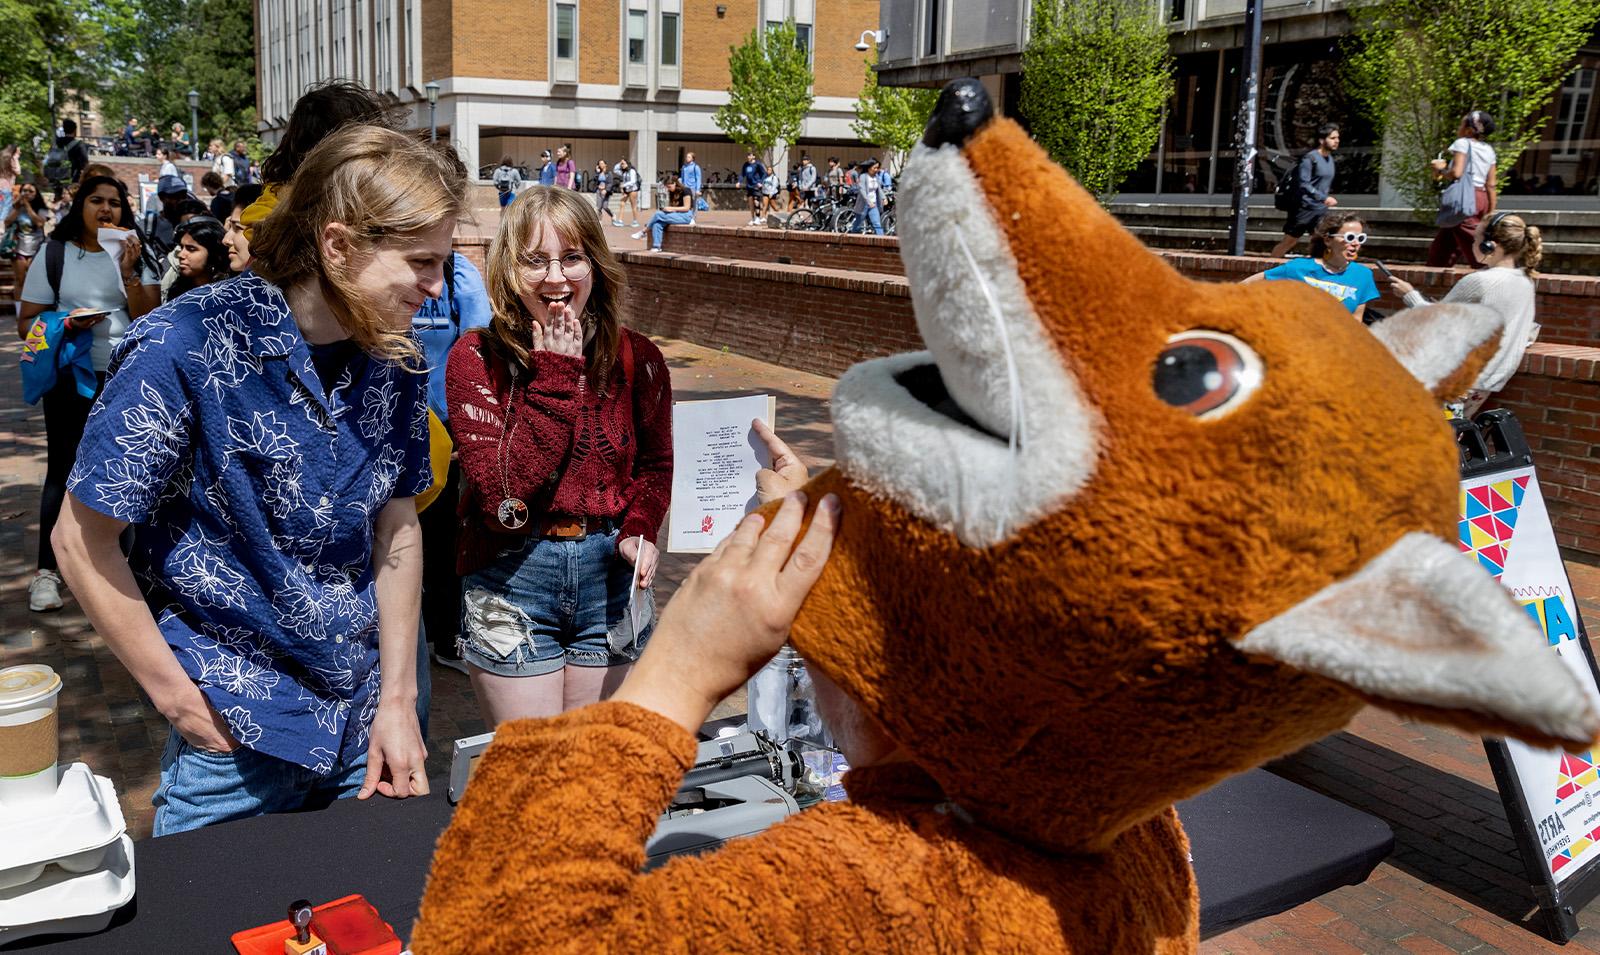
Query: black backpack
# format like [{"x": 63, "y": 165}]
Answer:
[
  {"x": 58, "y": 162},
  {"x": 1286, "y": 198}
]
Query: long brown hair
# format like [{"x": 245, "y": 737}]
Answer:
[
  {"x": 382, "y": 185},
  {"x": 575, "y": 220}
]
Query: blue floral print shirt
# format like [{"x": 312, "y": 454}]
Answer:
[{"x": 256, "y": 492}]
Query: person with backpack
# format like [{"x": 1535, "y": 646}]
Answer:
[
  {"x": 1305, "y": 191},
  {"x": 66, "y": 159},
  {"x": 243, "y": 174},
  {"x": 439, "y": 324},
  {"x": 82, "y": 277},
  {"x": 505, "y": 180}
]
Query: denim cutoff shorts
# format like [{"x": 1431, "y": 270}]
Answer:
[{"x": 545, "y": 604}]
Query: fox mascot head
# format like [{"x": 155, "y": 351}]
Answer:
[{"x": 1117, "y": 534}]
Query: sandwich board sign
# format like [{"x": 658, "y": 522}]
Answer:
[{"x": 1552, "y": 798}]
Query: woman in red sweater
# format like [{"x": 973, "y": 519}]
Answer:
[{"x": 563, "y": 422}]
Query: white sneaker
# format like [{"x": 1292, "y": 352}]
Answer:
[
  {"x": 753, "y": 222},
  {"x": 637, "y": 235},
  {"x": 44, "y": 591}
]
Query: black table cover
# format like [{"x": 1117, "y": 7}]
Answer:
[{"x": 1261, "y": 845}]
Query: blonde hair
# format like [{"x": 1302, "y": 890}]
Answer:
[
  {"x": 1516, "y": 236},
  {"x": 575, "y": 220},
  {"x": 381, "y": 185}
]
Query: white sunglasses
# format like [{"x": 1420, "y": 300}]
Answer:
[{"x": 1359, "y": 238}]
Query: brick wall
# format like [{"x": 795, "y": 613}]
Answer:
[
  {"x": 839, "y": 69},
  {"x": 128, "y": 170},
  {"x": 438, "y": 38},
  {"x": 866, "y": 253},
  {"x": 706, "y": 39},
  {"x": 508, "y": 39},
  {"x": 1556, "y": 398},
  {"x": 599, "y": 34},
  {"x": 822, "y": 320}
]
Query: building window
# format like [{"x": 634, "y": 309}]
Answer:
[
  {"x": 669, "y": 39},
  {"x": 802, "y": 38},
  {"x": 566, "y": 30},
  {"x": 1572, "y": 115},
  {"x": 636, "y": 28},
  {"x": 930, "y": 30}
]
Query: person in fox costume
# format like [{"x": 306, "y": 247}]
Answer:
[{"x": 1115, "y": 536}]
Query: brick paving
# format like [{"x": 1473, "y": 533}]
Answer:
[{"x": 1454, "y": 883}]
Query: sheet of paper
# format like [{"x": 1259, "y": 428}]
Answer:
[
  {"x": 716, "y": 455},
  {"x": 112, "y": 239},
  {"x": 635, "y": 603}
]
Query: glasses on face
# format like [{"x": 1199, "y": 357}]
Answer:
[
  {"x": 574, "y": 265},
  {"x": 1353, "y": 238}
]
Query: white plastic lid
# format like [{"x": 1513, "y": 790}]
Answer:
[{"x": 26, "y": 684}]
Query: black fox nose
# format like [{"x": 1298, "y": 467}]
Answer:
[{"x": 963, "y": 107}]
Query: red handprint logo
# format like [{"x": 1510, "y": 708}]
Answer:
[{"x": 706, "y": 524}]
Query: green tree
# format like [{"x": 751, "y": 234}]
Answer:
[
  {"x": 1095, "y": 77},
  {"x": 1415, "y": 67},
  {"x": 158, "y": 50},
  {"x": 41, "y": 37},
  {"x": 769, "y": 89},
  {"x": 891, "y": 116}
]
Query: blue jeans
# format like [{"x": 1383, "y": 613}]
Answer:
[
  {"x": 506, "y": 197},
  {"x": 198, "y": 788},
  {"x": 660, "y": 221},
  {"x": 870, "y": 215},
  {"x": 424, "y": 680},
  {"x": 546, "y": 604}
]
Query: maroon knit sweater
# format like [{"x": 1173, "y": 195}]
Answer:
[{"x": 572, "y": 452}]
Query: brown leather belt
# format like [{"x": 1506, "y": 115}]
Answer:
[{"x": 573, "y": 528}]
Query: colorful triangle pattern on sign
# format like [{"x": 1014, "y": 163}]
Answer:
[{"x": 1488, "y": 519}]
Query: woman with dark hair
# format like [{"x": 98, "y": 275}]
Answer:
[
  {"x": 1470, "y": 157},
  {"x": 233, "y": 233},
  {"x": 108, "y": 292},
  {"x": 563, "y": 420},
  {"x": 677, "y": 210},
  {"x": 1332, "y": 266},
  {"x": 318, "y": 112},
  {"x": 202, "y": 256}
]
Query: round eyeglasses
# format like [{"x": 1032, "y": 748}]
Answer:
[
  {"x": 1355, "y": 238},
  {"x": 573, "y": 265}
]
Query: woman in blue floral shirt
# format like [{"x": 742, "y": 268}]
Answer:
[{"x": 267, "y": 434}]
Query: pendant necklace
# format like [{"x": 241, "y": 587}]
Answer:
[{"x": 512, "y": 513}]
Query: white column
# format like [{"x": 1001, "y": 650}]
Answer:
[
  {"x": 642, "y": 147},
  {"x": 463, "y": 132}
]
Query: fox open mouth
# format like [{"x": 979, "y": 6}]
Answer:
[{"x": 988, "y": 430}]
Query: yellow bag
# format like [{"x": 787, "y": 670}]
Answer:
[{"x": 439, "y": 448}]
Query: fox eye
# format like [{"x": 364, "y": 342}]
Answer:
[{"x": 1205, "y": 373}]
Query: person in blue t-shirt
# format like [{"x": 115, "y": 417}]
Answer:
[
  {"x": 463, "y": 306},
  {"x": 1332, "y": 265}
]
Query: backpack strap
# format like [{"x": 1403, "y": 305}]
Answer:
[
  {"x": 450, "y": 288},
  {"x": 55, "y": 262}
]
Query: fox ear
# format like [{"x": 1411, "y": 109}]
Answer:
[
  {"x": 1424, "y": 631},
  {"x": 1444, "y": 346}
]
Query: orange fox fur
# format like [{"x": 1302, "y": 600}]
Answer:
[{"x": 1057, "y": 691}]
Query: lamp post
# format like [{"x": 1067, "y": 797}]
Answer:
[
  {"x": 194, "y": 124},
  {"x": 1244, "y": 137},
  {"x": 432, "y": 88}
]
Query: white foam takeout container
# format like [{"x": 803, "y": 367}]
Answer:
[
  {"x": 71, "y": 830},
  {"x": 62, "y": 902}
]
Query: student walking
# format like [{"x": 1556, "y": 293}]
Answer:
[
  {"x": 547, "y": 168},
  {"x": 1311, "y": 189},
  {"x": 602, "y": 191},
  {"x": 869, "y": 199},
  {"x": 505, "y": 179},
  {"x": 566, "y": 169},
  {"x": 692, "y": 178},
  {"x": 626, "y": 179},
  {"x": 754, "y": 177},
  {"x": 109, "y": 292},
  {"x": 267, "y": 434},
  {"x": 564, "y": 419},
  {"x": 1473, "y": 159}
]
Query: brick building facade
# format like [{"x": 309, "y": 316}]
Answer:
[{"x": 623, "y": 78}]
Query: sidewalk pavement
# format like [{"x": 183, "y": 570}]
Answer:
[{"x": 1454, "y": 883}]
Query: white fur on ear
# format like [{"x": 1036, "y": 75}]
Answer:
[
  {"x": 1423, "y": 625},
  {"x": 1433, "y": 340}
]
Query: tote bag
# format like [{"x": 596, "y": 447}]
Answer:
[{"x": 1459, "y": 201}]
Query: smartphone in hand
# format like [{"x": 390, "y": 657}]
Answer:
[
  {"x": 89, "y": 319},
  {"x": 1383, "y": 268}
]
